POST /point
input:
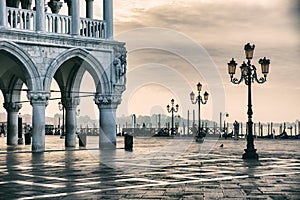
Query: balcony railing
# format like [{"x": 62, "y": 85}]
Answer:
[
  {"x": 58, "y": 24},
  {"x": 21, "y": 19},
  {"x": 92, "y": 28}
]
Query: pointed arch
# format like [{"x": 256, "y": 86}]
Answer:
[
  {"x": 32, "y": 75},
  {"x": 90, "y": 63}
]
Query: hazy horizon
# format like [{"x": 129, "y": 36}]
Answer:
[{"x": 174, "y": 44}]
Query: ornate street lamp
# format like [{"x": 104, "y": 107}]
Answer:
[
  {"x": 172, "y": 109},
  {"x": 199, "y": 100},
  {"x": 249, "y": 75}
]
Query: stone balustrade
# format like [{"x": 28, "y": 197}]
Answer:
[
  {"x": 23, "y": 19},
  {"x": 58, "y": 23},
  {"x": 92, "y": 28}
]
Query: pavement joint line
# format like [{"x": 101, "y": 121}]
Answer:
[
  {"x": 158, "y": 184},
  {"x": 38, "y": 184},
  {"x": 45, "y": 177},
  {"x": 142, "y": 180},
  {"x": 275, "y": 174},
  {"x": 136, "y": 186},
  {"x": 85, "y": 179},
  {"x": 88, "y": 183}
]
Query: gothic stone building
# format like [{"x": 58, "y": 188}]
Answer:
[{"x": 37, "y": 46}]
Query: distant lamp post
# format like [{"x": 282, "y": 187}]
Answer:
[
  {"x": 172, "y": 109},
  {"x": 61, "y": 108},
  {"x": 199, "y": 100},
  {"x": 225, "y": 114},
  {"x": 249, "y": 75},
  {"x": 134, "y": 120}
]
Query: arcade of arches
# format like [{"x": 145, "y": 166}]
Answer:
[{"x": 35, "y": 56}]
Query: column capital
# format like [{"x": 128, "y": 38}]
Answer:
[
  {"x": 38, "y": 97},
  {"x": 70, "y": 103},
  {"x": 55, "y": 6},
  {"x": 12, "y": 106},
  {"x": 107, "y": 101}
]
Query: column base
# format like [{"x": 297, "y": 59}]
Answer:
[
  {"x": 38, "y": 148},
  {"x": 107, "y": 145},
  {"x": 70, "y": 140},
  {"x": 70, "y": 145},
  {"x": 250, "y": 154}
]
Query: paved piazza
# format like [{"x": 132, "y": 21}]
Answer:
[{"x": 157, "y": 168}]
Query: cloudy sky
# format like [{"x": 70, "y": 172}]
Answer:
[{"x": 173, "y": 44}]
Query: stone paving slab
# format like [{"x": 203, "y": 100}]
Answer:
[{"x": 172, "y": 168}]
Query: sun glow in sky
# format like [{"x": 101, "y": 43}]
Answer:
[
  {"x": 174, "y": 44},
  {"x": 221, "y": 28}
]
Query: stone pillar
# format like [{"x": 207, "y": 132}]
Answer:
[
  {"x": 40, "y": 15},
  {"x": 3, "y": 14},
  {"x": 12, "y": 122},
  {"x": 108, "y": 17},
  {"x": 89, "y": 9},
  {"x": 70, "y": 137},
  {"x": 107, "y": 119},
  {"x": 75, "y": 17},
  {"x": 39, "y": 101}
]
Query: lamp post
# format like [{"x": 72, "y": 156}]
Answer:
[
  {"x": 249, "y": 76},
  {"x": 172, "y": 109},
  {"x": 199, "y": 100},
  {"x": 221, "y": 115},
  {"x": 62, "y": 108}
]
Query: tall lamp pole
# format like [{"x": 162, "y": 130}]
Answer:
[
  {"x": 172, "y": 109},
  {"x": 199, "y": 100},
  {"x": 249, "y": 76}
]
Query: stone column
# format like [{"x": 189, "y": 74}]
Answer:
[
  {"x": 40, "y": 15},
  {"x": 39, "y": 101},
  {"x": 12, "y": 122},
  {"x": 70, "y": 137},
  {"x": 75, "y": 17},
  {"x": 3, "y": 13},
  {"x": 108, "y": 17},
  {"x": 107, "y": 119},
  {"x": 89, "y": 9}
]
